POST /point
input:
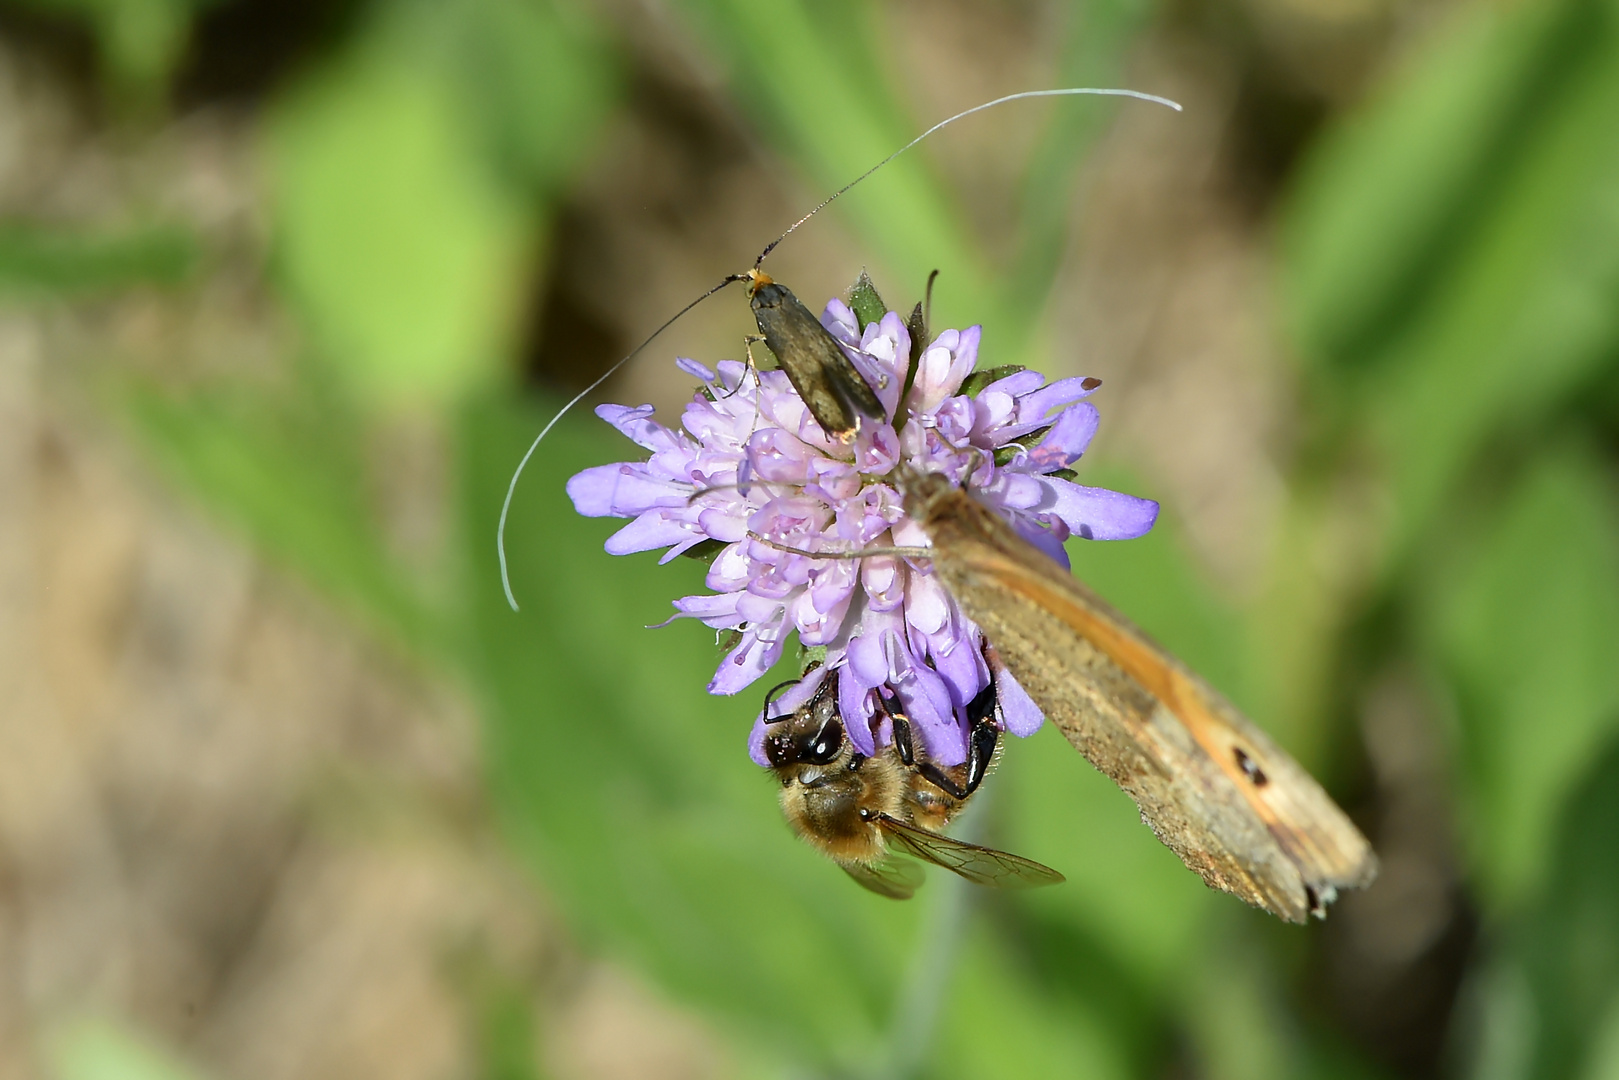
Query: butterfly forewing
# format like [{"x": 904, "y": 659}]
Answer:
[
  {"x": 981, "y": 865},
  {"x": 1254, "y": 824}
]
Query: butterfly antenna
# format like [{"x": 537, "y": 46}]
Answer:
[
  {"x": 505, "y": 507},
  {"x": 1066, "y": 91}
]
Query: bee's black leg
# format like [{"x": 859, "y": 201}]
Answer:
[
  {"x": 889, "y": 703},
  {"x": 981, "y": 751},
  {"x": 930, "y": 772}
]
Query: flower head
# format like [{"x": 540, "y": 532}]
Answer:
[{"x": 750, "y": 462}]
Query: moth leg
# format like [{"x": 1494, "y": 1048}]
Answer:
[{"x": 748, "y": 342}]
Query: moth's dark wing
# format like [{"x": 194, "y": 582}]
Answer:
[
  {"x": 815, "y": 363},
  {"x": 897, "y": 879},
  {"x": 982, "y": 865}
]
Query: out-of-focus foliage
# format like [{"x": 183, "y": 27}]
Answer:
[
  {"x": 41, "y": 261},
  {"x": 1449, "y": 273},
  {"x": 89, "y": 1049}
]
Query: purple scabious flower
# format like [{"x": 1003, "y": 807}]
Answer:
[{"x": 750, "y": 461}]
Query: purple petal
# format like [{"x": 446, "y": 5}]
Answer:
[
  {"x": 928, "y": 606},
  {"x": 1019, "y": 712},
  {"x": 884, "y": 354},
  {"x": 1045, "y": 538},
  {"x": 1035, "y": 407},
  {"x": 637, "y": 424},
  {"x": 1070, "y": 434},
  {"x": 959, "y": 664},
  {"x": 745, "y": 663},
  {"x": 695, "y": 370},
  {"x": 1016, "y": 384},
  {"x": 756, "y": 742},
  {"x": 620, "y": 490},
  {"x": 723, "y": 525},
  {"x": 882, "y": 581},
  {"x": 933, "y": 716},
  {"x": 943, "y": 366},
  {"x": 1100, "y": 514},
  {"x": 816, "y": 627},
  {"x": 651, "y": 530},
  {"x": 868, "y": 655},
  {"x": 853, "y": 703},
  {"x": 841, "y": 322},
  {"x": 717, "y": 610}
]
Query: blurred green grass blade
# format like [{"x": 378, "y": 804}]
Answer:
[
  {"x": 540, "y": 80},
  {"x": 997, "y": 1023},
  {"x": 629, "y": 785},
  {"x": 1235, "y": 1015},
  {"x": 294, "y": 483},
  {"x": 1128, "y": 899},
  {"x": 1571, "y": 944},
  {"x": 1374, "y": 219},
  {"x": 1524, "y": 305},
  {"x": 799, "y": 71},
  {"x": 1527, "y": 623},
  {"x": 39, "y": 259},
  {"x": 1099, "y": 38},
  {"x": 140, "y": 41},
  {"x": 102, "y": 1050},
  {"x": 1602, "y": 1061},
  {"x": 394, "y": 235}
]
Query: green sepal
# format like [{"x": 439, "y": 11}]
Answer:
[
  {"x": 810, "y": 656},
  {"x": 975, "y": 382},
  {"x": 868, "y": 307},
  {"x": 917, "y": 327},
  {"x": 1004, "y": 455},
  {"x": 704, "y": 550},
  {"x": 1063, "y": 474}
]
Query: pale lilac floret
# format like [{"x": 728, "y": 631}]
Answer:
[{"x": 750, "y": 462}]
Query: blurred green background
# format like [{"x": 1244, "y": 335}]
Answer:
[{"x": 286, "y": 287}]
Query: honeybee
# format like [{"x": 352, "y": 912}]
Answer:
[{"x": 861, "y": 812}]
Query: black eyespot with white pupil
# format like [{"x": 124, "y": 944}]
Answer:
[{"x": 1250, "y": 768}]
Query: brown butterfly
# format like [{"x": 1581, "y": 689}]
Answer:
[{"x": 1212, "y": 786}]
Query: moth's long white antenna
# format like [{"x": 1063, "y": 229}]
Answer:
[
  {"x": 505, "y": 507},
  {"x": 1066, "y": 91}
]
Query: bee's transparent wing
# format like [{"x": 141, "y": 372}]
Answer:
[
  {"x": 982, "y": 865},
  {"x": 897, "y": 879}
]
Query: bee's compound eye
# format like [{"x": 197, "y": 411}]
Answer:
[
  {"x": 825, "y": 744},
  {"x": 779, "y": 750}
]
